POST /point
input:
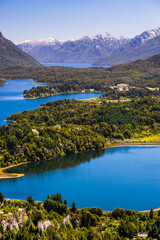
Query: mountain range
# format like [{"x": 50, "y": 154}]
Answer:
[
  {"x": 102, "y": 49},
  {"x": 11, "y": 55},
  {"x": 84, "y": 50},
  {"x": 141, "y": 47}
]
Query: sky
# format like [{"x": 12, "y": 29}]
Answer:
[{"x": 72, "y": 19}]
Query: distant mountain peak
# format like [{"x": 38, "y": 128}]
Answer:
[
  {"x": 157, "y": 28},
  {"x": 46, "y": 41},
  {"x": 85, "y": 38},
  {"x": 104, "y": 35},
  {"x": 141, "y": 46},
  {"x": 147, "y": 35}
]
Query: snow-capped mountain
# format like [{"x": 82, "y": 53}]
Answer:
[
  {"x": 28, "y": 45},
  {"x": 144, "y": 37},
  {"x": 45, "y": 42},
  {"x": 102, "y": 49},
  {"x": 85, "y": 49},
  {"x": 141, "y": 46}
]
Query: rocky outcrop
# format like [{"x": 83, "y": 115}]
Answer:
[
  {"x": 44, "y": 225},
  {"x": 66, "y": 219},
  {"x": 13, "y": 221}
]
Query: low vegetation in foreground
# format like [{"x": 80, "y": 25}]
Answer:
[
  {"x": 71, "y": 126},
  {"x": 53, "y": 219}
]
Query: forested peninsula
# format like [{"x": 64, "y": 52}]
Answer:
[{"x": 71, "y": 126}]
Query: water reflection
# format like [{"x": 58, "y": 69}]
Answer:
[
  {"x": 125, "y": 177},
  {"x": 63, "y": 162}
]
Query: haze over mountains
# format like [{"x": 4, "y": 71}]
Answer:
[
  {"x": 11, "y": 55},
  {"x": 103, "y": 49}
]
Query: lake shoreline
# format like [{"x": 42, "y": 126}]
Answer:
[
  {"x": 104, "y": 211},
  {"x": 49, "y": 95},
  {"x": 4, "y": 175},
  {"x": 141, "y": 211}
]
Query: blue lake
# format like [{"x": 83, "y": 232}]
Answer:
[
  {"x": 74, "y": 65},
  {"x": 125, "y": 177},
  {"x": 12, "y": 100}
]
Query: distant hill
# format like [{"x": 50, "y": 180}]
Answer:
[
  {"x": 141, "y": 47},
  {"x": 86, "y": 49},
  {"x": 140, "y": 73},
  {"x": 11, "y": 55}
]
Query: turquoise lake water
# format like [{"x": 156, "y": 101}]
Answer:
[
  {"x": 125, "y": 177},
  {"x": 12, "y": 100}
]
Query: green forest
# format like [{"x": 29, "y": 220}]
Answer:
[
  {"x": 138, "y": 74},
  {"x": 71, "y": 126},
  {"x": 109, "y": 92},
  {"x": 54, "y": 219},
  {"x": 65, "y": 127}
]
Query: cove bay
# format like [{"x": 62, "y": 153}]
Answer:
[
  {"x": 12, "y": 100},
  {"x": 124, "y": 177}
]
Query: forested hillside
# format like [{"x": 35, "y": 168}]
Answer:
[
  {"x": 138, "y": 72},
  {"x": 11, "y": 55}
]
